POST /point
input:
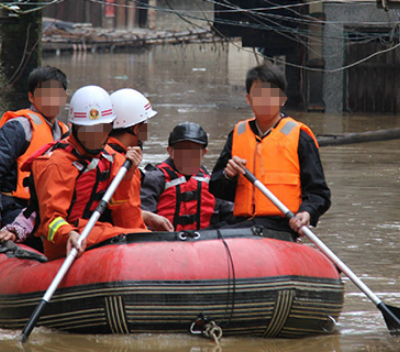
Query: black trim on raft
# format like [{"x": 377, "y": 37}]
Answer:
[
  {"x": 256, "y": 232},
  {"x": 284, "y": 306}
]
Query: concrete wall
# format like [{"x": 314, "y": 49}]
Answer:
[
  {"x": 194, "y": 11},
  {"x": 338, "y": 16}
]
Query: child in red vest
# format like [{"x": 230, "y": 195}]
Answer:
[{"x": 178, "y": 188}]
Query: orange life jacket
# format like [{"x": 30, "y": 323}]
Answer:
[
  {"x": 274, "y": 161},
  {"x": 187, "y": 204},
  {"x": 41, "y": 135}
]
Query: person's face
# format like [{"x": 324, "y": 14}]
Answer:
[
  {"x": 265, "y": 100},
  {"x": 94, "y": 137},
  {"x": 187, "y": 156},
  {"x": 49, "y": 98},
  {"x": 141, "y": 132}
]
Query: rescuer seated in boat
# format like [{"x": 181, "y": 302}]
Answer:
[
  {"x": 25, "y": 131},
  {"x": 72, "y": 176},
  {"x": 178, "y": 187},
  {"x": 280, "y": 151},
  {"x": 133, "y": 110}
]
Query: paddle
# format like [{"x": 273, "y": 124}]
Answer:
[
  {"x": 73, "y": 253},
  {"x": 390, "y": 314}
]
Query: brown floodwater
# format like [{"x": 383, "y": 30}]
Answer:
[{"x": 205, "y": 84}]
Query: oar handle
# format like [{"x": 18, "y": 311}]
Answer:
[
  {"x": 313, "y": 238},
  {"x": 74, "y": 252},
  {"x": 101, "y": 207}
]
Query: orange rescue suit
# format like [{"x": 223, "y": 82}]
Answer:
[
  {"x": 41, "y": 135},
  {"x": 134, "y": 219},
  {"x": 274, "y": 161},
  {"x": 55, "y": 175}
]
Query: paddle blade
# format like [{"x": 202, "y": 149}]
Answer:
[
  {"x": 33, "y": 320},
  {"x": 392, "y": 317}
]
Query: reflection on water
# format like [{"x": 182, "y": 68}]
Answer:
[
  {"x": 48, "y": 341},
  {"x": 362, "y": 227}
]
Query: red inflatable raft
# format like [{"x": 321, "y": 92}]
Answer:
[{"x": 157, "y": 282}]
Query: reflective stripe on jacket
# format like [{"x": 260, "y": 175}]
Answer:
[
  {"x": 187, "y": 204},
  {"x": 55, "y": 176},
  {"x": 41, "y": 135},
  {"x": 274, "y": 161}
]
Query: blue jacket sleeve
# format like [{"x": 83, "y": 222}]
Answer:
[{"x": 13, "y": 143}]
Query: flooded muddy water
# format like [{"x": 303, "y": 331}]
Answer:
[{"x": 205, "y": 85}]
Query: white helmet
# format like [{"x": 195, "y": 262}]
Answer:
[
  {"x": 131, "y": 108},
  {"x": 90, "y": 105}
]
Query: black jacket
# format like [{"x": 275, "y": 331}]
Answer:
[{"x": 315, "y": 192}]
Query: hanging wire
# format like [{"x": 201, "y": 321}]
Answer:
[
  {"x": 261, "y": 18},
  {"x": 16, "y": 6}
]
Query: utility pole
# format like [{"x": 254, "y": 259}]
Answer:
[
  {"x": 20, "y": 53},
  {"x": 315, "y": 59}
]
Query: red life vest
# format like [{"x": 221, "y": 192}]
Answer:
[
  {"x": 92, "y": 182},
  {"x": 91, "y": 185},
  {"x": 41, "y": 135},
  {"x": 188, "y": 204}
]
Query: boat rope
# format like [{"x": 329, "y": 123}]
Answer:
[
  {"x": 231, "y": 270},
  {"x": 213, "y": 331},
  {"x": 12, "y": 250},
  {"x": 207, "y": 328}
]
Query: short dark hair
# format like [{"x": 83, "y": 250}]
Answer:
[
  {"x": 266, "y": 74},
  {"x": 46, "y": 73}
]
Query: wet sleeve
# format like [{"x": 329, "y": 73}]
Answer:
[
  {"x": 220, "y": 186},
  {"x": 316, "y": 195},
  {"x": 153, "y": 185},
  {"x": 54, "y": 188},
  {"x": 224, "y": 209},
  {"x": 124, "y": 190}
]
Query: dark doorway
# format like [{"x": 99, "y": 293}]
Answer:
[
  {"x": 142, "y": 13},
  {"x": 372, "y": 85}
]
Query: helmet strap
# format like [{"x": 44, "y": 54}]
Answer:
[{"x": 131, "y": 131}]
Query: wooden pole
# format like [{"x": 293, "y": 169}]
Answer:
[
  {"x": 362, "y": 137},
  {"x": 131, "y": 16},
  {"x": 151, "y": 15},
  {"x": 121, "y": 15}
]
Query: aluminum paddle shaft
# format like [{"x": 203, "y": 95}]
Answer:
[
  {"x": 74, "y": 252},
  {"x": 391, "y": 314}
]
